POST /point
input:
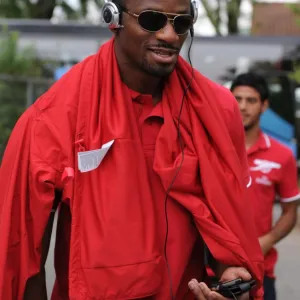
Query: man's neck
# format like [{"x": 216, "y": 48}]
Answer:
[
  {"x": 251, "y": 136},
  {"x": 143, "y": 84}
]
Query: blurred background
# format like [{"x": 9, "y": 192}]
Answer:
[{"x": 40, "y": 40}]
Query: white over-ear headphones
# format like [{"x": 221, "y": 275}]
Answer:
[{"x": 111, "y": 13}]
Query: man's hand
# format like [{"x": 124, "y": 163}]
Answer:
[
  {"x": 282, "y": 228},
  {"x": 202, "y": 291},
  {"x": 266, "y": 243}
]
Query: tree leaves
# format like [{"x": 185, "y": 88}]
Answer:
[
  {"x": 215, "y": 11},
  {"x": 43, "y": 9},
  {"x": 14, "y": 63}
]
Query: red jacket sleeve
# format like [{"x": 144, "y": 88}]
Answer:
[
  {"x": 26, "y": 199},
  {"x": 287, "y": 187}
]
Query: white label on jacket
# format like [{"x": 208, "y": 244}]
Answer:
[{"x": 91, "y": 160}]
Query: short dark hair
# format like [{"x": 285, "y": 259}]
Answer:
[{"x": 253, "y": 80}]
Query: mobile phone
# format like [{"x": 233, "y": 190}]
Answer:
[{"x": 232, "y": 289}]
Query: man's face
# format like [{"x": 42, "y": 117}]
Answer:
[
  {"x": 250, "y": 104},
  {"x": 152, "y": 53}
]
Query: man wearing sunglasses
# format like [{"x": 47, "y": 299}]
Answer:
[{"x": 145, "y": 158}]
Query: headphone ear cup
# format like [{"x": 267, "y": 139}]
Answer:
[
  {"x": 111, "y": 15},
  {"x": 195, "y": 9}
]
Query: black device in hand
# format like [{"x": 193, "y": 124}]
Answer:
[{"x": 232, "y": 289}]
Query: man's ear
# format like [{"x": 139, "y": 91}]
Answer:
[
  {"x": 266, "y": 105},
  {"x": 115, "y": 31}
]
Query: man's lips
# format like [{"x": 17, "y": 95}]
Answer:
[
  {"x": 164, "y": 55},
  {"x": 163, "y": 51}
]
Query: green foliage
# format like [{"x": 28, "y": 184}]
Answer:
[
  {"x": 296, "y": 10},
  {"x": 14, "y": 63},
  {"x": 296, "y": 74},
  {"x": 43, "y": 9},
  {"x": 215, "y": 11}
]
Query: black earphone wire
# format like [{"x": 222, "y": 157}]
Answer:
[{"x": 179, "y": 167}]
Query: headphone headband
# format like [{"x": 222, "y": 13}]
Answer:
[{"x": 111, "y": 13}]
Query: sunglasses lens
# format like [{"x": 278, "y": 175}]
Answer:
[
  {"x": 182, "y": 24},
  {"x": 152, "y": 21}
]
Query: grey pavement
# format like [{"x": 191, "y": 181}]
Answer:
[{"x": 288, "y": 283}]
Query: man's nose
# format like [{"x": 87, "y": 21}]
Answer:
[
  {"x": 242, "y": 104},
  {"x": 167, "y": 34}
]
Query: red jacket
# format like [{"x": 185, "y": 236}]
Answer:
[{"x": 113, "y": 247}]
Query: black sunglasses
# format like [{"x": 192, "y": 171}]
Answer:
[{"x": 153, "y": 21}]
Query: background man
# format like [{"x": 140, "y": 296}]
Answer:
[{"x": 273, "y": 170}]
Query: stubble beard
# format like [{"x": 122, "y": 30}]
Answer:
[{"x": 157, "y": 70}]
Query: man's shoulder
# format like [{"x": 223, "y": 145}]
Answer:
[
  {"x": 279, "y": 148},
  {"x": 65, "y": 91},
  {"x": 278, "y": 152}
]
